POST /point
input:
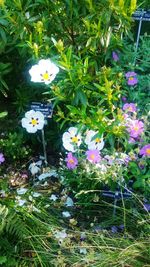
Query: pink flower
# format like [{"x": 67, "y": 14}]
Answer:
[
  {"x": 132, "y": 78},
  {"x": 72, "y": 162},
  {"x": 2, "y": 159},
  {"x": 93, "y": 156},
  {"x": 135, "y": 128},
  {"x": 145, "y": 150},
  {"x": 129, "y": 107},
  {"x": 115, "y": 56}
]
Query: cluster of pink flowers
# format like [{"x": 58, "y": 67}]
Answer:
[
  {"x": 129, "y": 107},
  {"x": 92, "y": 156},
  {"x": 134, "y": 126}
]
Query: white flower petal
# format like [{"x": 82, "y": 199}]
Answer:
[
  {"x": 35, "y": 74},
  {"x": 39, "y": 115},
  {"x": 66, "y": 137},
  {"x": 66, "y": 214},
  {"x": 69, "y": 147},
  {"x": 39, "y": 163},
  {"x": 34, "y": 169},
  {"x": 21, "y": 191},
  {"x": 73, "y": 131},
  {"x": 36, "y": 194},
  {"x": 24, "y": 122},
  {"x": 43, "y": 176},
  {"x": 89, "y": 136},
  {"x": 60, "y": 235},
  {"x": 31, "y": 129},
  {"x": 100, "y": 145},
  {"x": 83, "y": 251},
  {"x": 21, "y": 202},
  {"x": 53, "y": 197},
  {"x": 40, "y": 125},
  {"x": 69, "y": 202}
]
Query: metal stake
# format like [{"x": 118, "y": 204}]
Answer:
[
  {"x": 138, "y": 35},
  {"x": 44, "y": 147},
  {"x": 115, "y": 203}
]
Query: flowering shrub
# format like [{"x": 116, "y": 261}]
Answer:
[{"x": 91, "y": 164}]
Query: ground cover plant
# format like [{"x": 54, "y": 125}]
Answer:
[{"x": 74, "y": 135}]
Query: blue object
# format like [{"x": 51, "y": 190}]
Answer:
[{"x": 45, "y": 108}]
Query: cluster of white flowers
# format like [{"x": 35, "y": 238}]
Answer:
[
  {"x": 45, "y": 72},
  {"x": 72, "y": 140}
]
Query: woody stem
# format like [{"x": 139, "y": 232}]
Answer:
[{"x": 44, "y": 147}]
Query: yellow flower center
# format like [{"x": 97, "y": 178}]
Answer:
[
  {"x": 97, "y": 140},
  {"x": 131, "y": 78},
  {"x": 92, "y": 156},
  {"x": 34, "y": 122},
  {"x": 74, "y": 139},
  {"x": 148, "y": 151},
  {"x": 136, "y": 128},
  {"x": 71, "y": 161},
  {"x": 45, "y": 76}
]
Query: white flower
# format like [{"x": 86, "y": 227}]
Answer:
[
  {"x": 21, "y": 191},
  {"x": 27, "y": 14},
  {"x": 83, "y": 251},
  {"x": 45, "y": 71},
  {"x": 69, "y": 202},
  {"x": 35, "y": 209},
  {"x": 36, "y": 194},
  {"x": 20, "y": 202},
  {"x": 34, "y": 169},
  {"x": 66, "y": 214},
  {"x": 39, "y": 163},
  {"x": 43, "y": 176},
  {"x": 96, "y": 143},
  {"x": 2, "y": 193},
  {"x": 53, "y": 197},
  {"x": 71, "y": 139},
  {"x": 31, "y": 198},
  {"x": 60, "y": 235},
  {"x": 33, "y": 121},
  {"x": 49, "y": 174}
]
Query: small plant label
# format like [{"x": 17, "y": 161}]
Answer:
[
  {"x": 117, "y": 194},
  {"x": 45, "y": 108},
  {"x": 143, "y": 15}
]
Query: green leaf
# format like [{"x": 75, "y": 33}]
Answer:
[
  {"x": 80, "y": 97},
  {"x": 3, "y": 114},
  {"x": 3, "y": 259},
  {"x": 3, "y": 22},
  {"x": 3, "y": 35}
]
